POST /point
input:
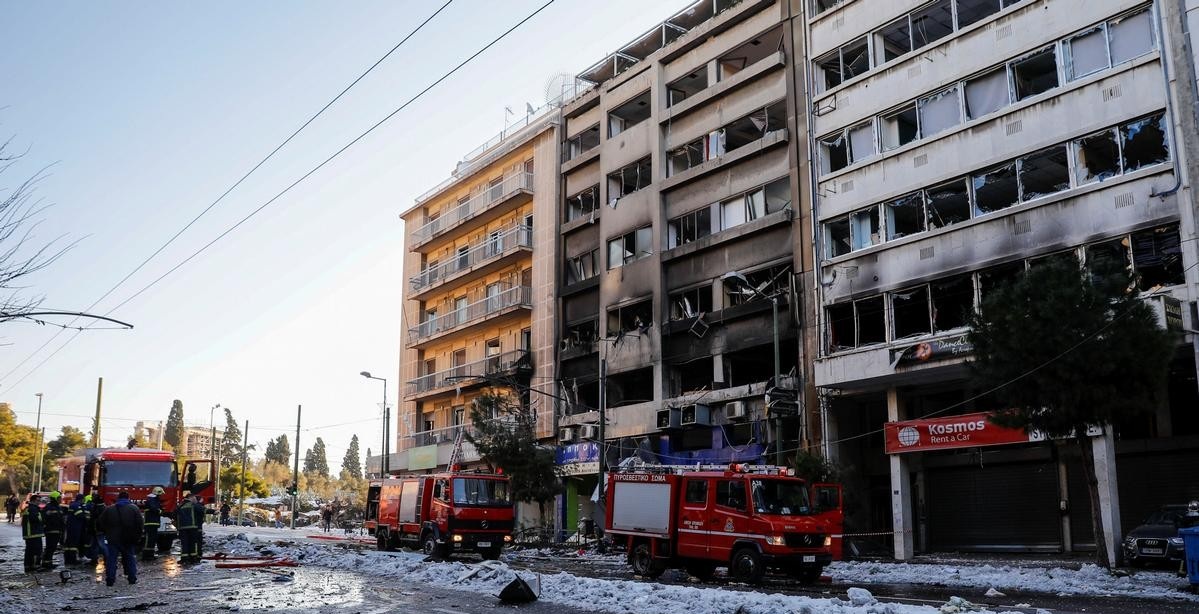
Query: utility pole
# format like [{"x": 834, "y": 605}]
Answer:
[
  {"x": 212, "y": 452},
  {"x": 295, "y": 475},
  {"x": 41, "y": 445},
  {"x": 241, "y": 503},
  {"x": 96, "y": 424}
]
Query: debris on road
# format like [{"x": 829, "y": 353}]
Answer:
[
  {"x": 518, "y": 591},
  {"x": 861, "y": 597},
  {"x": 991, "y": 592}
]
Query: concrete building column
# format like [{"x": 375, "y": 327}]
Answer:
[
  {"x": 901, "y": 488},
  {"x": 1109, "y": 492},
  {"x": 1063, "y": 489}
]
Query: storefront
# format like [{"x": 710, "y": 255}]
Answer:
[{"x": 578, "y": 464}]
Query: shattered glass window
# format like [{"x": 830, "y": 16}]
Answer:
[
  {"x": 911, "y": 312},
  {"x": 973, "y": 11},
  {"x": 896, "y": 39},
  {"x": 1157, "y": 257},
  {"x": 905, "y": 216},
  {"x": 987, "y": 93},
  {"x": 836, "y": 234},
  {"x": 840, "y": 327},
  {"x": 1035, "y": 74},
  {"x": 864, "y": 228},
  {"x": 1097, "y": 157},
  {"x": 932, "y": 24},
  {"x": 948, "y": 204},
  {"x": 1131, "y": 36},
  {"x": 834, "y": 154},
  {"x": 952, "y": 301},
  {"x": 995, "y": 189},
  {"x": 1044, "y": 172},
  {"x": 899, "y": 128},
  {"x": 861, "y": 141},
  {"x": 1144, "y": 143},
  {"x": 1088, "y": 52},
  {"x": 872, "y": 321},
  {"x": 1109, "y": 262},
  {"x": 939, "y": 112}
]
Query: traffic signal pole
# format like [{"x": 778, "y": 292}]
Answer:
[{"x": 295, "y": 475}]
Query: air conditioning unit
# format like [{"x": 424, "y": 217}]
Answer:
[
  {"x": 695, "y": 415},
  {"x": 668, "y": 418},
  {"x": 734, "y": 410},
  {"x": 589, "y": 432},
  {"x": 566, "y": 434}
]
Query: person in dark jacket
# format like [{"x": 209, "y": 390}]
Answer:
[
  {"x": 153, "y": 520},
  {"x": 99, "y": 548},
  {"x": 10, "y": 505},
  {"x": 73, "y": 531},
  {"x": 32, "y": 531},
  {"x": 53, "y": 519},
  {"x": 225, "y": 509},
  {"x": 122, "y": 527},
  {"x": 189, "y": 520}
]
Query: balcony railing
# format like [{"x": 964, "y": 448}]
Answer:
[
  {"x": 488, "y": 248},
  {"x": 436, "y": 436},
  {"x": 464, "y": 374},
  {"x": 515, "y": 296},
  {"x": 494, "y": 194}
]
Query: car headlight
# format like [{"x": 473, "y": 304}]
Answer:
[
  {"x": 1175, "y": 541},
  {"x": 774, "y": 540},
  {"x": 507, "y": 538},
  {"x": 1130, "y": 541},
  {"x": 828, "y": 541},
  {"x": 457, "y": 538}
]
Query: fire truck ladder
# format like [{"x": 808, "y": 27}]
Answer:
[
  {"x": 456, "y": 453},
  {"x": 732, "y": 467}
]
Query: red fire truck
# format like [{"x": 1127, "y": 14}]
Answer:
[
  {"x": 743, "y": 517},
  {"x": 441, "y": 513},
  {"x": 104, "y": 472}
]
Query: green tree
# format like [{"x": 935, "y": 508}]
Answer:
[
  {"x": 352, "y": 464},
  {"x": 505, "y": 436},
  {"x": 174, "y": 430},
  {"x": 315, "y": 460},
  {"x": 18, "y": 449},
  {"x": 69, "y": 440},
  {"x": 231, "y": 483},
  {"x": 1067, "y": 349},
  {"x": 278, "y": 451},
  {"x": 230, "y": 441}
]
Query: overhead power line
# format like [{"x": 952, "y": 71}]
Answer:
[{"x": 214, "y": 203}]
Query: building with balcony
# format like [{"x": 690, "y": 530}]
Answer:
[
  {"x": 955, "y": 143},
  {"x": 197, "y": 440},
  {"x": 680, "y": 245},
  {"x": 478, "y": 291}
]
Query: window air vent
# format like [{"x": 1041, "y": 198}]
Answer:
[
  {"x": 1003, "y": 32},
  {"x": 1124, "y": 200},
  {"x": 926, "y": 253},
  {"x": 920, "y": 160},
  {"x": 847, "y": 186},
  {"x": 1112, "y": 92},
  {"x": 1022, "y": 227},
  {"x": 1014, "y": 127}
]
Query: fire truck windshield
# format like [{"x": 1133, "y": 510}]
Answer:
[
  {"x": 139, "y": 473},
  {"x": 478, "y": 491},
  {"x": 782, "y": 497}
]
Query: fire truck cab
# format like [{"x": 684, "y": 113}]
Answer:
[
  {"x": 441, "y": 514},
  {"x": 746, "y": 518}
]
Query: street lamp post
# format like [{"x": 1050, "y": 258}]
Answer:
[
  {"x": 383, "y": 464},
  {"x": 37, "y": 467}
]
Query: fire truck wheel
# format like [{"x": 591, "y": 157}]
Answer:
[
  {"x": 643, "y": 562},
  {"x": 702, "y": 571},
  {"x": 747, "y": 566},
  {"x": 381, "y": 539},
  {"x": 490, "y": 554},
  {"x": 428, "y": 545}
]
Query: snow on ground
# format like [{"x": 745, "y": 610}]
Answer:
[
  {"x": 1089, "y": 580},
  {"x": 605, "y": 595}
]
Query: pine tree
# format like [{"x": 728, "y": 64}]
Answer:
[
  {"x": 315, "y": 460},
  {"x": 174, "y": 430},
  {"x": 510, "y": 442},
  {"x": 282, "y": 451},
  {"x": 352, "y": 464},
  {"x": 231, "y": 441}
]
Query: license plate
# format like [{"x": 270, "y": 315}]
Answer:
[
  {"x": 1153, "y": 550},
  {"x": 809, "y": 558},
  {"x": 484, "y": 544}
]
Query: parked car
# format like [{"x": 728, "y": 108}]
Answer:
[{"x": 1156, "y": 540}]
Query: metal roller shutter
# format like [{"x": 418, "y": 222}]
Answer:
[
  {"x": 1009, "y": 507},
  {"x": 1149, "y": 480},
  {"x": 1082, "y": 532}
]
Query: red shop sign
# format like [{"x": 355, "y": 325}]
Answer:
[{"x": 966, "y": 431}]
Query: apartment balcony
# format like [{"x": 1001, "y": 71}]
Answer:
[
  {"x": 469, "y": 374},
  {"x": 505, "y": 302},
  {"x": 514, "y": 189},
  {"x": 445, "y": 435},
  {"x": 486, "y": 255}
]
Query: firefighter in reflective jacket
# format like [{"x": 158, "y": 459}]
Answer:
[
  {"x": 32, "y": 530},
  {"x": 75, "y": 517},
  {"x": 52, "y": 521},
  {"x": 153, "y": 520},
  {"x": 189, "y": 518}
]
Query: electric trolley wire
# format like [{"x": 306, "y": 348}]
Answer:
[{"x": 214, "y": 203}]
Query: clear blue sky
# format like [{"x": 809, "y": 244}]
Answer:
[{"x": 148, "y": 111}]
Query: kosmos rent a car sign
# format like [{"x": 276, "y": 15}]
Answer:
[{"x": 968, "y": 431}]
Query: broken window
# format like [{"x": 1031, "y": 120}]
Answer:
[
  {"x": 910, "y": 312},
  {"x": 629, "y": 247},
  {"x": 1088, "y": 52},
  {"x": 999, "y": 277},
  {"x": 778, "y": 195},
  {"x": 581, "y": 334},
  {"x": 582, "y": 142},
  {"x": 632, "y": 318},
  {"x": 840, "y": 326},
  {"x": 689, "y": 227},
  {"x": 629, "y": 179},
  {"x": 995, "y": 189},
  {"x": 582, "y": 204},
  {"x": 1044, "y": 172},
  {"x": 864, "y": 228},
  {"x": 861, "y": 141},
  {"x": 753, "y": 126},
  {"x": 820, "y": 6},
  {"x": 582, "y": 267},
  {"x": 1157, "y": 257},
  {"x": 973, "y": 11},
  {"x": 856, "y": 324},
  {"x": 894, "y": 40},
  {"x": 905, "y": 216},
  {"x": 689, "y": 303},
  {"x": 741, "y": 209},
  {"x": 758, "y": 285},
  {"x": 948, "y": 204},
  {"x": 871, "y": 320},
  {"x": 1109, "y": 262},
  {"x": 987, "y": 93},
  {"x": 834, "y": 153},
  {"x": 749, "y": 54},
  {"x": 836, "y": 237},
  {"x": 940, "y": 111},
  {"x": 1143, "y": 143},
  {"x": 844, "y": 64},
  {"x": 687, "y": 86},
  {"x": 899, "y": 127},
  {"x": 932, "y": 23},
  {"x": 952, "y": 302},
  {"x": 1097, "y": 157},
  {"x": 628, "y": 114},
  {"x": 687, "y": 156},
  {"x": 1035, "y": 74},
  {"x": 1131, "y": 36}
]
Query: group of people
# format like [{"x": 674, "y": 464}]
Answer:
[{"x": 89, "y": 529}]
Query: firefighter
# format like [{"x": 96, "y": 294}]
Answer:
[
  {"x": 52, "y": 520},
  {"x": 74, "y": 521},
  {"x": 32, "y": 531},
  {"x": 99, "y": 543},
  {"x": 153, "y": 520},
  {"x": 10, "y": 505},
  {"x": 189, "y": 517},
  {"x": 122, "y": 525}
]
